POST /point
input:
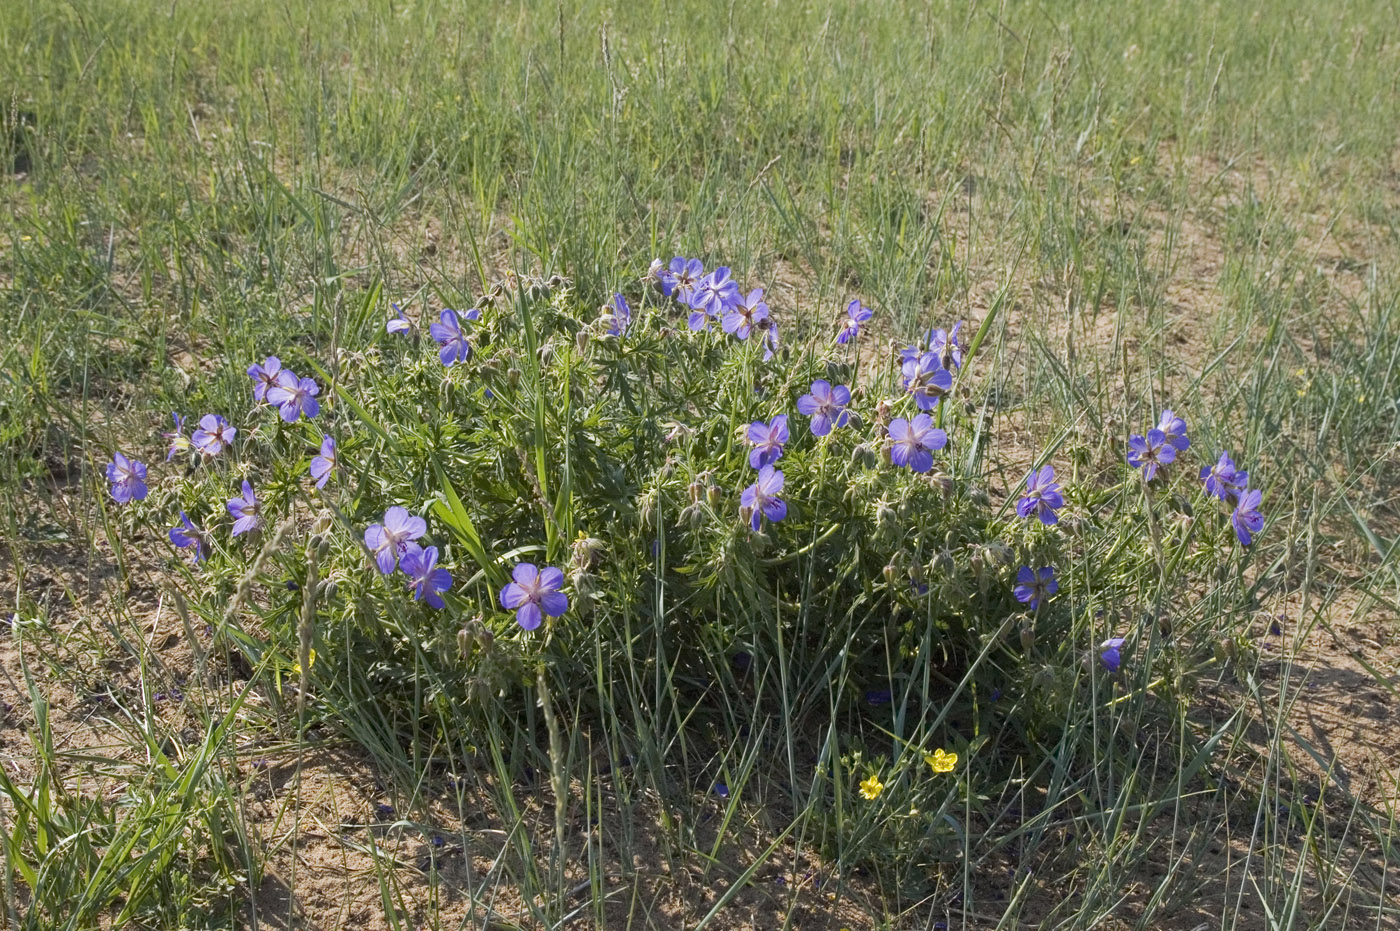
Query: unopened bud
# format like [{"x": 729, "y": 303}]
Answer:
[
  {"x": 588, "y": 551},
  {"x": 581, "y": 341},
  {"x": 513, "y": 376},
  {"x": 1027, "y": 637},
  {"x": 943, "y": 482},
  {"x": 714, "y": 494}
]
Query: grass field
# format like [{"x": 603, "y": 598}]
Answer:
[{"x": 1133, "y": 207}]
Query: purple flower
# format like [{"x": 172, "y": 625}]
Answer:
[
  {"x": 745, "y": 313},
  {"x": 1174, "y": 429},
  {"x": 1150, "y": 453},
  {"x": 826, "y": 406},
  {"x": 128, "y": 478},
  {"x": 945, "y": 346},
  {"x": 534, "y": 594},
  {"x": 927, "y": 380},
  {"x": 448, "y": 334},
  {"x": 1109, "y": 653},
  {"x": 294, "y": 396},
  {"x": 1035, "y": 585},
  {"x": 769, "y": 328},
  {"x": 393, "y": 539},
  {"x": 761, "y": 499},
  {"x": 264, "y": 376},
  {"x": 398, "y": 323},
  {"x": 680, "y": 278},
  {"x": 621, "y": 316},
  {"x": 246, "y": 511},
  {"x": 712, "y": 297},
  {"x": 426, "y": 579},
  {"x": 914, "y": 442},
  {"x": 1223, "y": 480},
  {"x": 767, "y": 440},
  {"x": 179, "y": 443},
  {"x": 856, "y": 314},
  {"x": 1042, "y": 496},
  {"x": 324, "y": 464},
  {"x": 213, "y": 435},
  {"x": 1246, "y": 518},
  {"x": 187, "y": 535}
]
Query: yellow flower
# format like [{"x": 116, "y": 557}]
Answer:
[
  {"x": 872, "y": 787},
  {"x": 940, "y": 761},
  {"x": 311, "y": 661}
]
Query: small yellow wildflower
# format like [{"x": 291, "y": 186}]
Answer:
[
  {"x": 311, "y": 661},
  {"x": 940, "y": 761},
  {"x": 872, "y": 787}
]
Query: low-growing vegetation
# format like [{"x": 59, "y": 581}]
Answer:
[{"x": 398, "y": 535}]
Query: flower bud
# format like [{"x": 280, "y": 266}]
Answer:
[
  {"x": 714, "y": 494},
  {"x": 581, "y": 341},
  {"x": 890, "y": 573},
  {"x": 943, "y": 482},
  {"x": 513, "y": 376},
  {"x": 695, "y": 490},
  {"x": 588, "y": 551},
  {"x": 1027, "y": 637},
  {"x": 885, "y": 515},
  {"x": 746, "y": 515}
]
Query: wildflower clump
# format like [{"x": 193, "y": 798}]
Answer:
[{"x": 587, "y": 487}]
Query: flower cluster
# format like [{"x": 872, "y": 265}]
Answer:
[
  {"x": 716, "y": 296},
  {"x": 294, "y": 397},
  {"x": 1158, "y": 448}
]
